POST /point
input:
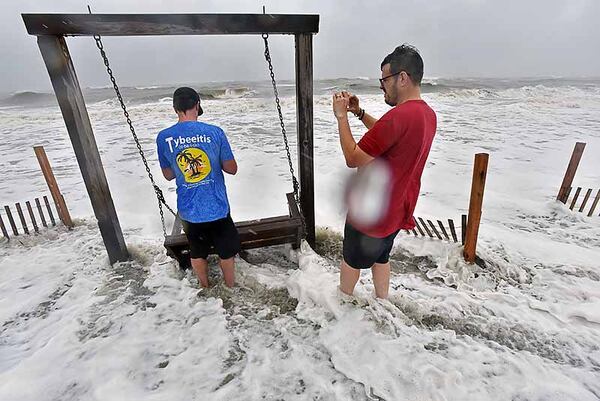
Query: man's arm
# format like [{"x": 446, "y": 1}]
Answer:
[
  {"x": 229, "y": 166},
  {"x": 168, "y": 173},
  {"x": 354, "y": 155},
  {"x": 228, "y": 163}
]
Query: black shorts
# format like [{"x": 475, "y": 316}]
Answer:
[
  {"x": 220, "y": 234},
  {"x": 362, "y": 251}
]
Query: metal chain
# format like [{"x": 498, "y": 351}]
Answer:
[
  {"x": 295, "y": 184},
  {"x": 159, "y": 194}
]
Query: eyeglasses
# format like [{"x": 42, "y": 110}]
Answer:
[{"x": 382, "y": 80}]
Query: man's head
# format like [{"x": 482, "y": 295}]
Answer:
[
  {"x": 401, "y": 74},
  {"x": 186, "y": 103}
]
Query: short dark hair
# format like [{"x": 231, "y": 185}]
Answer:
[
  {"x": 405, "y": 58},
  {"x": 185, "y": 99}
]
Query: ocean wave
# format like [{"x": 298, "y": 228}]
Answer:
[
  {"x": 28, "y": 97},
  {"x": 225, "y": 93}
]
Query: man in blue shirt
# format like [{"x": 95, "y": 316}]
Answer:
[{"x": 195, "y": 154}]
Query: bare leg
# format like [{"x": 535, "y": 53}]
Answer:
[
  {"x": 381, "y": 279},
  {"x": 200, "y": 267},
  {"x": 348, "y": 278},
  {"x": 228, "y": 269}
]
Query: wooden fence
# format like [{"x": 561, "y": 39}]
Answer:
[
  {"x": 29, "y": 222},
  {"x": 442, "y": 230},
  {"x": 39, "y": 215},
  {"x": 566, "y": 188},
  {"x": 469, "y": 223}
]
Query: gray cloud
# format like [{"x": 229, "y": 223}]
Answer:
[{"x": 457, "y": 38}]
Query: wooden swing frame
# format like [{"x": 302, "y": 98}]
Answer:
[{"x": 51, "y": 30}]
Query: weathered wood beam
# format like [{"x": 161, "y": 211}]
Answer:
[
  {"x": 304, "y": 120},
  {"x": 72, "y": 105},
  {"x": 169, "y": 24}
]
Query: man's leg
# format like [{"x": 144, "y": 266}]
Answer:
[
  {"x": 228, "y": 269},
  {"x": 200, "y": 267},
  {"x": 381, "y": 279},
  {"x": 348, "y": 278}
]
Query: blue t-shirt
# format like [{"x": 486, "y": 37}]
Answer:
[{"x": 194, "y": 151}]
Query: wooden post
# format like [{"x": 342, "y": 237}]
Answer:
[
  {"x": 304, "y": 118},
  {"x": 41, "y": 212},
  {"x": 3, "y": 228},
  {"x": 477, "y": 190},
  {"x": 49, "y": 210},
  {"x": 61, "y": 206},
  {"x": 72, "y": 105},
  {"x": 11, "y": 221},
  {"x": 570, "y": 173},
  {"x": 32, "y": 217},
  {"x": 594, "y": 204},
  {"x": 22, "y": 218}
]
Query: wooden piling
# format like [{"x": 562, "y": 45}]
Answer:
[
  {"x": 22, "y": 218},
  {"x": 452, "y": 230},
  {"x": 475, "y": 204},
  {"x": 59, "y": 64},
  {"x": 49, "y": 210},
  {"x": 11, "y": 221},
  {"x": 594, "y": 204},
  {"x": 32, "y": 217},
  {"x": 570, "y": 173},
  {"x": 304, "y": 124},
  {"x": 575, "y": 198},
  {"x": 40, "y": 212}
]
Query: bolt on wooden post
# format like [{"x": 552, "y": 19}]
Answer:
[{"x": 475, "y": 204}]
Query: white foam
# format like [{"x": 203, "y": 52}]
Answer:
[{"x": 525, "y": 326}]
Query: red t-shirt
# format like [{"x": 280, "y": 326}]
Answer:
[{"x": 401, "y": 139}]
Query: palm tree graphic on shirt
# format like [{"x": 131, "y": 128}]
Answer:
[{"x": 194, "y": 164}]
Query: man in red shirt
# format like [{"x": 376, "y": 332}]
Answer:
[{"x": 399, "y": 143}]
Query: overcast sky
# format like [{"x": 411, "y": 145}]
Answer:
[{"x": 457, "y": 38}]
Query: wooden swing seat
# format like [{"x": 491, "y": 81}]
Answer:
[{"x": 253, "y": 233}]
